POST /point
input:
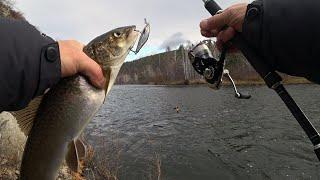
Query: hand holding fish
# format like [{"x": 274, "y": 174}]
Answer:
[{"x": 74, "y": 60}]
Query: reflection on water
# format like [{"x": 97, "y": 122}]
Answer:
[{"x": 215, "y": 136}]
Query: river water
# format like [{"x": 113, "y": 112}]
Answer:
[{"x": 215, "y": 136}]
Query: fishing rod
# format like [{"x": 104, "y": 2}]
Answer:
[{"x": 202, "y": 59}]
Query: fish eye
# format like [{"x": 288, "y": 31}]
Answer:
[{"x": 117, "y": 34}]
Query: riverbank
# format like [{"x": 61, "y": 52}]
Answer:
[{"x": 253, "y": 82}]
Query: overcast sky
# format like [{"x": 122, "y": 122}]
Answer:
[{"x": 171, "y": 20}]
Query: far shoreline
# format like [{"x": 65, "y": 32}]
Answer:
[{"x": 260, "y": 82}]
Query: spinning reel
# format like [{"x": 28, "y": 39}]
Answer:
[{"x": 212, "y": 69}]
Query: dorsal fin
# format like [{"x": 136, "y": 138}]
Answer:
[{"x": 26, "y": 116}]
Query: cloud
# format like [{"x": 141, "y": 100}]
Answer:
[
  {"x": 174, "y": 40},
  {"x": 84, "y": 20}
]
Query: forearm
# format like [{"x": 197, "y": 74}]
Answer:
[
  {"x": 286, "y": 33},
  {"x": 30, "y": 63}
]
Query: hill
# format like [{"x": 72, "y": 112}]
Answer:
[{"x": 174, "y": 67}]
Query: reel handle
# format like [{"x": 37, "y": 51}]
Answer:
[
  {"x": 243, "y": 96},
  {"x": 237, "y": 94}
]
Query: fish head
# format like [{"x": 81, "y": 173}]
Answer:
[
  {"x": 110, "y": 50},
  {"x": 118, "y": 43}
]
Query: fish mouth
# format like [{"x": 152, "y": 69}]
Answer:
[{"x": 133, "y": 36}]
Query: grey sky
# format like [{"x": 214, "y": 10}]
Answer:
[{"x": 83, "y": 20}]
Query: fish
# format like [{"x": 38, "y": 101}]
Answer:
[{"x": 54, "y": 121}]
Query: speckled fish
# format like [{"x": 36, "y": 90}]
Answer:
[{"x": 54, "y": 122}]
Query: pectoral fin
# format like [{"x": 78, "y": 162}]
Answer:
[
  {"x": 111, "y": 76},
  {"x": 72, "y": 158},
  {"x": 26, "y": 116}
]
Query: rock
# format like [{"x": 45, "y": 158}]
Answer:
[
  {"x": 12, "y": 139},
  {"x": 3, "y": 162}
]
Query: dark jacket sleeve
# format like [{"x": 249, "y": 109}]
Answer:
[
  {"x": 287, "y": 34},
  {"x": 30, "y": 63}
]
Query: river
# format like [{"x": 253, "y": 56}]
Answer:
[{"x": 139, "y": 134}]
